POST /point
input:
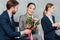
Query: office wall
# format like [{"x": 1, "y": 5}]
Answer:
[{"x": 40, "y": 4}]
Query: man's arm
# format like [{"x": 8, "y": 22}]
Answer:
[{"x": 6, "y": 27}]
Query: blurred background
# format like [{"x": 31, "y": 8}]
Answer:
[{"x": 40, "y": 5}]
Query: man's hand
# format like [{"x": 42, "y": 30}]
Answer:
[{"x": 26, "y": 31}]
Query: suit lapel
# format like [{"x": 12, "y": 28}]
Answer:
[
  {"x": 8, "y": 17},
  {"x": 48, "y": 19},
  {"x": 53, "y": 19}
]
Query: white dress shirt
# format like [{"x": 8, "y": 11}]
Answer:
[
  {"x": 10, "y": 15},
  {"x": 50, "y": 18}
]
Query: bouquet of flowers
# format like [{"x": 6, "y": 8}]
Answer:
[{"x": 31, "y": 22}]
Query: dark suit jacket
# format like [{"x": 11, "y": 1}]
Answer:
[
  {"x": 49, "y": 31},
  {"x": 7, "y": 30}
]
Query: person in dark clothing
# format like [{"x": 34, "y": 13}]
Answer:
[
  {"x": 48, "y": 22},
  {"x": 7, "y": 23}
]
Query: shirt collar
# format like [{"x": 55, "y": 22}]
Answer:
[
  {"x": 10, "y": 14},
  {"x": 50, "y": 16},
  {"x": 29, "y": 16}
]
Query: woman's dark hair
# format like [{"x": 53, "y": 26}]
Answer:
[
  {"x": 11, "y": 3},
  {"x": 12, "y": 0},
  {"x": 49, "y": 5},
  {"x": 31, "y": 4}
]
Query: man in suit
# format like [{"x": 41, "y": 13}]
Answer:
[{"x": 7, "y": 23}]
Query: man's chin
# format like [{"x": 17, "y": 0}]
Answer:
[{"x": 14, "y": 13}]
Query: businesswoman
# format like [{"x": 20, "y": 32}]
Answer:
[
  {"x": 29, "y": 13},
  {"x": 48, "y": 22}
]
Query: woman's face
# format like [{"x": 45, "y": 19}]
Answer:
[
  {"x": 31, "y": 9},
  {"x": 52, "y": 9}
]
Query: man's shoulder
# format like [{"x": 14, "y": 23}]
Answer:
[{"x": 4, "y": 14}]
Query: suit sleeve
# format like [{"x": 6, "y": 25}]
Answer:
[
  {"x": 47, "y": 28},
  {"x": 53, "y": 18},
  {"x": 6, "y": 27},
  {"x": 15, "y": 23}
]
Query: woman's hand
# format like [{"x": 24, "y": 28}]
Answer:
[
  {"x": 28, "y": 26},
  {"x": 35, "y": 19},
  {"x": 35, "y": 26},
  {"x": 55, "y": 24}
]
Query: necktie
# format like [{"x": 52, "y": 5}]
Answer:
[{"x": 11, "y": 19}]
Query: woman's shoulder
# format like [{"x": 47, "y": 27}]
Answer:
[
  {"x": 22, "y": 16},
  {"x": 44, "y": 17}
]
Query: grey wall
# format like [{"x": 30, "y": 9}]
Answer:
[{"x": 40, "y": 4}]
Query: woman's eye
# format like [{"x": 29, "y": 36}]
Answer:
[
  {"x": 34, "y": 9},
  {"x": 30, "y": 8}
]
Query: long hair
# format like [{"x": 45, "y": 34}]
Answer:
[{"x": 49, "y": 5}]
